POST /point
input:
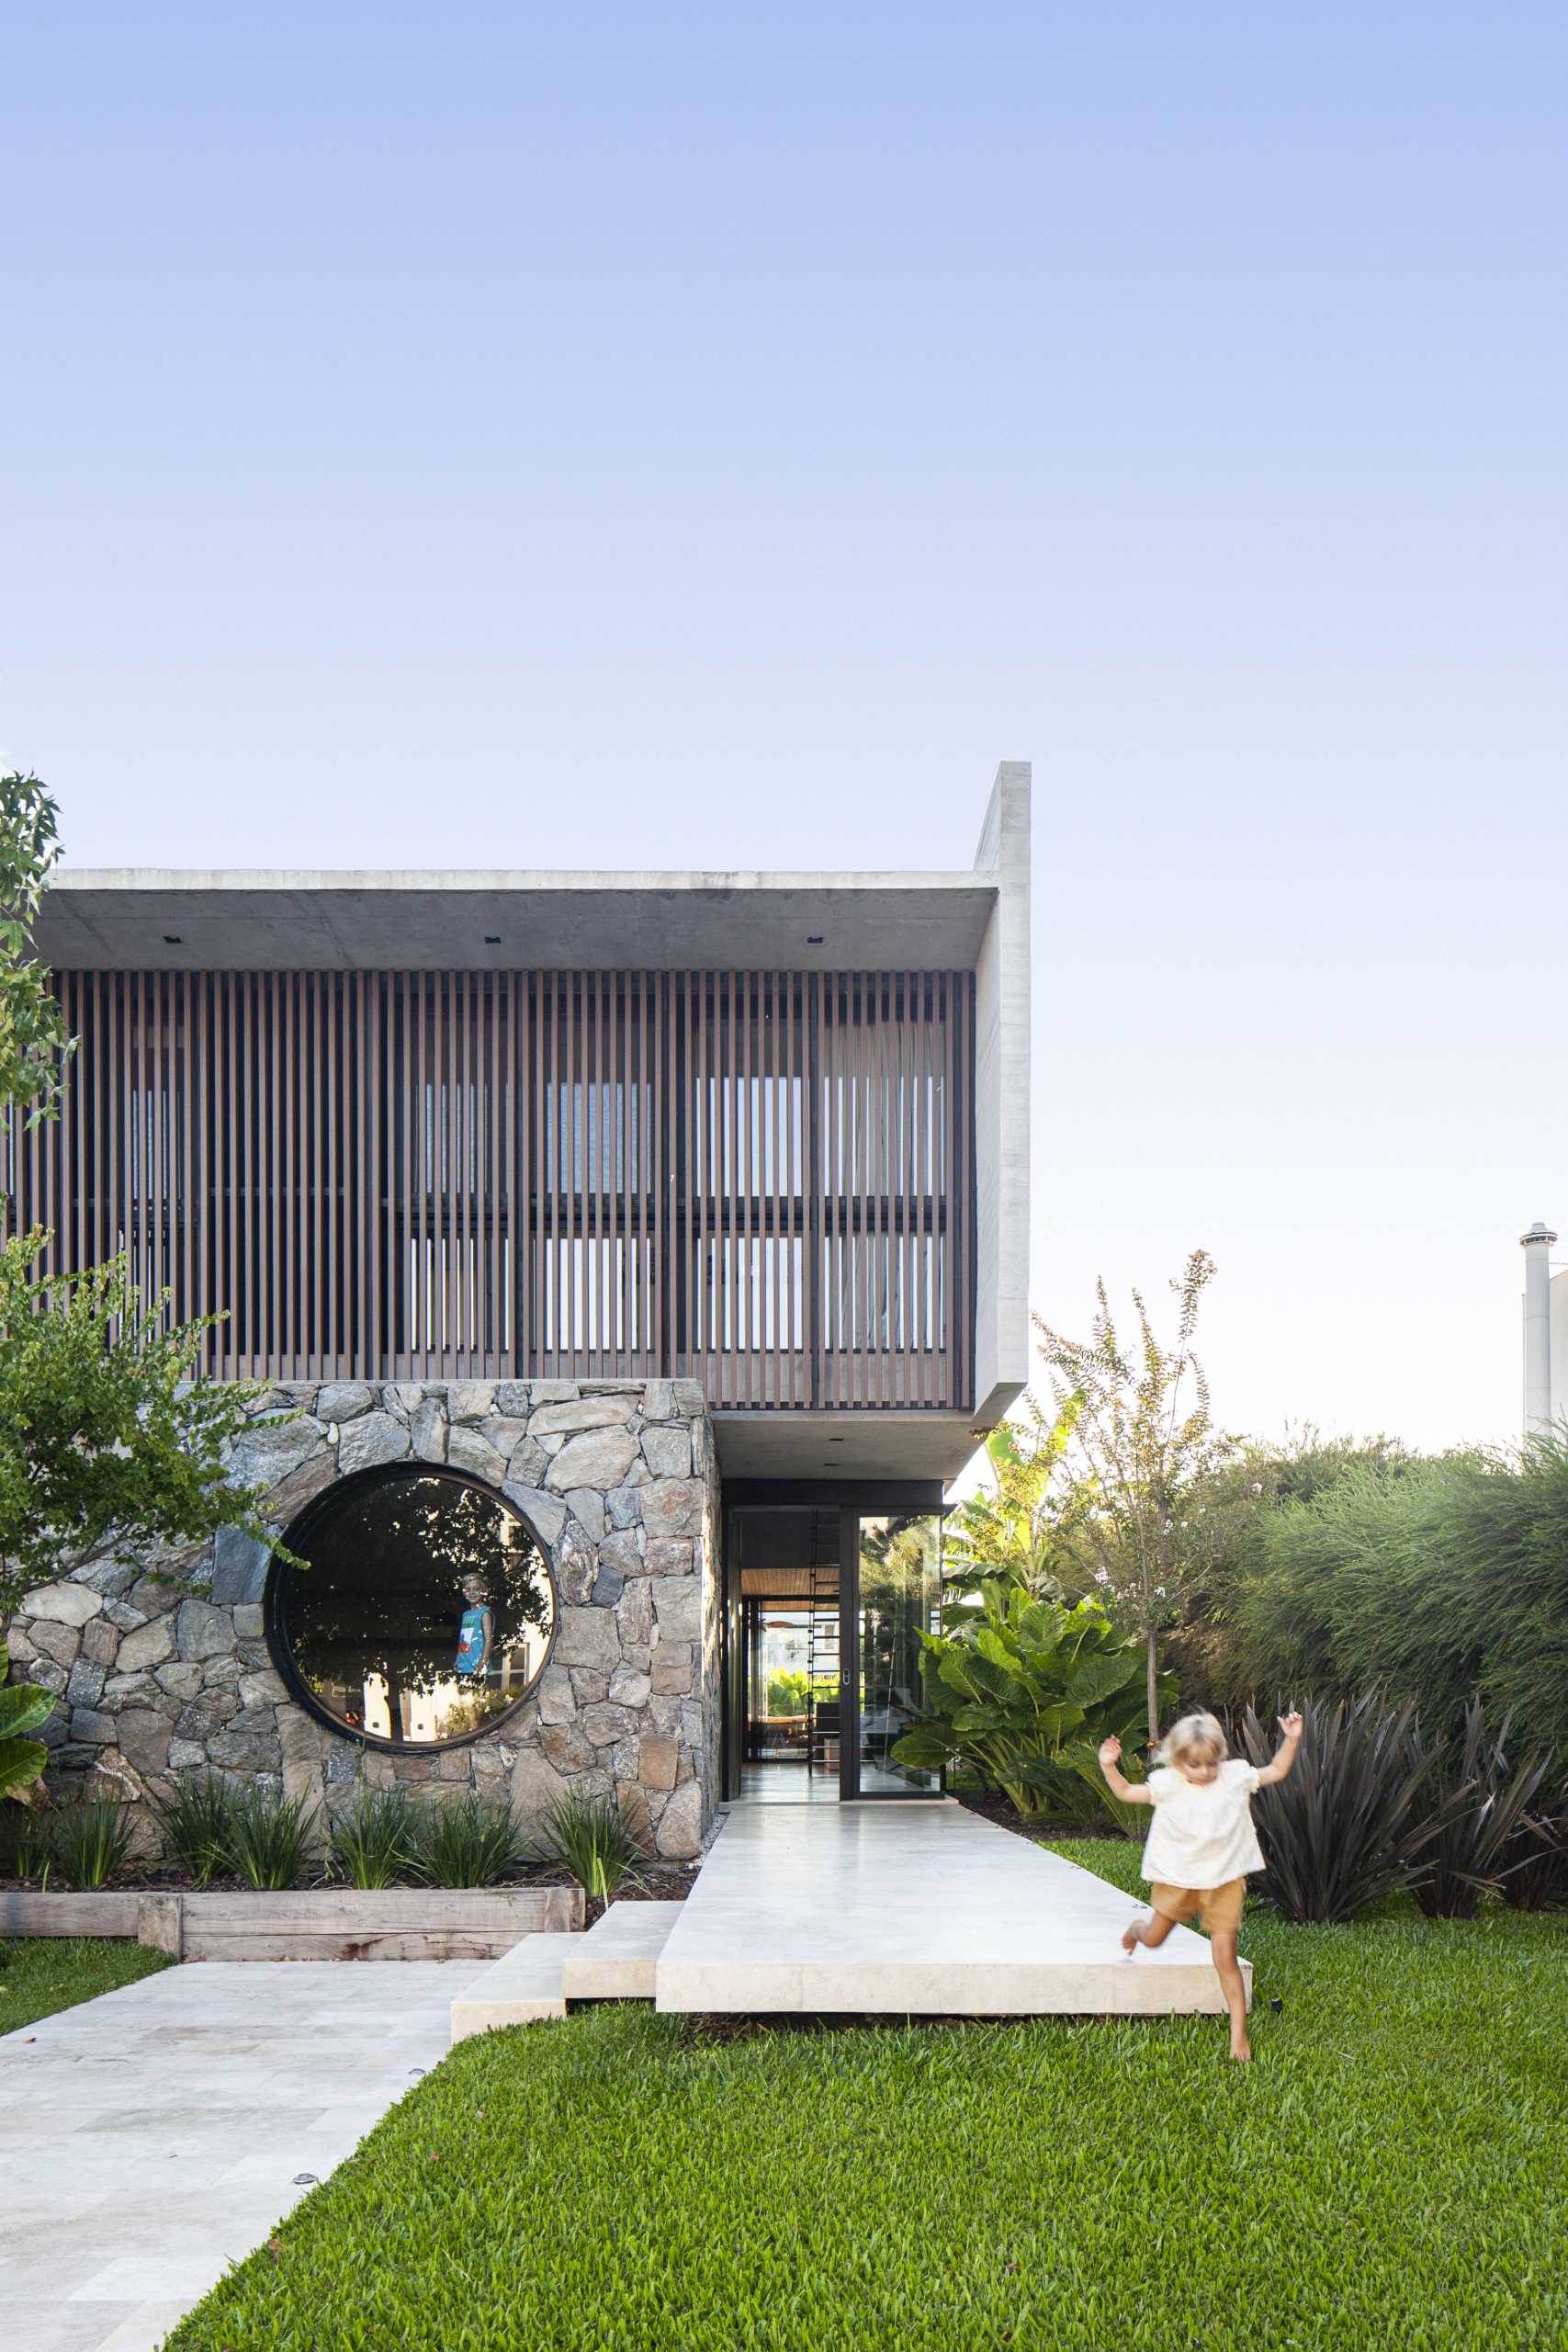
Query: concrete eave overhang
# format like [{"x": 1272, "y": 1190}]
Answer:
[
  {"x": 845, "y": 1445},
  {"x": 142, "y": 918}
]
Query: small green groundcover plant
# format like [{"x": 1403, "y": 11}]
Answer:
[
  {"x": 377, "y": 1843},
  {"x": 592, "y": 1837},
  {"x": 198, "y": 1821},
  {"x": 82, "y": 1844},
  {"x": 466, "y": 1841},
  {"x": 218, "y": 1830}
]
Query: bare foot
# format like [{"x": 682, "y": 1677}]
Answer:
[
  {"x": 1241, "y": 2049},
  {"x": 1131, "y": 1937}
]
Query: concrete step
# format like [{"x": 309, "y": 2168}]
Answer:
[
  {"x": 518, "y": 1990},
  {"x": 616, "y": 1958}
]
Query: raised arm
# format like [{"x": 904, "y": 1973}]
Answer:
[
  {"x": 1129, "y": 1791},
  {"x": 1285, "y": 1756}
]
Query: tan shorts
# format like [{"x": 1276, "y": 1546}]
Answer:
[{"x": 1218, "y": 1908}]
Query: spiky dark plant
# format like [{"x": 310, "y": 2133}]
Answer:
[
  {"x": 1536, "y": 1877},
  {"x": 1479, "y": 1802},
  {"x": 1347, "y": 1827}
]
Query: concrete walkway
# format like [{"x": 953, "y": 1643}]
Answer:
[
  {"x": 912, "y": 1909},
  {"x": 153, "y": 2136}
]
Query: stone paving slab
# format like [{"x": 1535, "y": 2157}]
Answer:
[
  {"x": 523, "y": 1989},
  {"x": 616, "y": 1958},
  {"x": 913, "y": 1909},
  {"x": 152, "y": 2136}
]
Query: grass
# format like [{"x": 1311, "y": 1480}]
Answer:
[
  {"x": 41, "y": 1974},
  {"x": 1390, "y": 2170}
]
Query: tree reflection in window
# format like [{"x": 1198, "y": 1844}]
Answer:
[{"x": 372, "y": 1627}]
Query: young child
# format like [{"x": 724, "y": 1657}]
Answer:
[{"x": 1202, "y": 1842}]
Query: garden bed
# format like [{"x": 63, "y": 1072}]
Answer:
[
  {"x": 305, "y": 1923},
  {"x": 1038, "y": 1828}
]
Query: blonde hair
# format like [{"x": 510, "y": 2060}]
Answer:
[{"x": 1200, "y": 1730}]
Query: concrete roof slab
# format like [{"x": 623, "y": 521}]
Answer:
[{"x": 139, "y": 919}]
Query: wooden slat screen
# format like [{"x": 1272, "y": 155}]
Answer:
[{"x": 759, "y": 1180}]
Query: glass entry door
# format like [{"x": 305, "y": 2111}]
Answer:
[
  {"x": 893, "y": 1597},
  {"x": 825, "y": 1606}
]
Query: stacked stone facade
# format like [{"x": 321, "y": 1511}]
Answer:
[{"x": 160, "y": 1662}]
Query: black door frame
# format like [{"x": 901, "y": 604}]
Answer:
[{"x": 853, "y": 1499}]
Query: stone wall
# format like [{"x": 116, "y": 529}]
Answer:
[{"x": 162, "y": 1672}]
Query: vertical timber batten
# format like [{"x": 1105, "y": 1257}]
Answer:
[{"x": 763, "y": 1180}]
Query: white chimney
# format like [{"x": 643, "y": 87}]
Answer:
[{"x": 1537, "y": 1246}]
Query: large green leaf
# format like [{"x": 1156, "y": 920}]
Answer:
[
  {"x": 925, "y": 1748},
  {"x": 21, "y": 1763},
  {"x": 24, "y": 1706},
  {"x": 1092, "y": 1679}
]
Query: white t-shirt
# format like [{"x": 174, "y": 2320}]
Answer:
[{"x": 1202, "y": 1834}]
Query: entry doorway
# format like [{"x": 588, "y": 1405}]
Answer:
[{"x": 824, "y": 1604}]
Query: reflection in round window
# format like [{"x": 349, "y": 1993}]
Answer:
[{"x": 425, "y": 1614}]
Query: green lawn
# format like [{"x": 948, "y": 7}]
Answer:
[
  {"x": 1391, "y": 2171},
  {"x": 39, "y": 1974}
]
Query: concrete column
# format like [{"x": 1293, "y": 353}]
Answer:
[{"x": 1537, "y": 1246}]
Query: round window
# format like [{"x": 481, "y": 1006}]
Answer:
[{"x": 425, "y": 1614}]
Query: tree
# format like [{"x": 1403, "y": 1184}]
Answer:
[
  {"x": 106, "y": 1425},
  {"x": 1130, "y": 1511},
  {"x": 34, "y": 1048}
]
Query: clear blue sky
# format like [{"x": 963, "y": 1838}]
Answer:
[{"x": 639, "y": 435}]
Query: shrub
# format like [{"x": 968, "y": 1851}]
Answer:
[
  {"x": 197, "y": 1822},
  {"x": 591, "y": 1837},
  {"x": 1012, "y": 1686},
  {"x": 378, "y": 1843},
  {"x": 88, "y": 1842},
  {"x": 1087, "y": 1800},
  {"x": 1347, "y": 1827},
  {"x": 270, "y": 1839},
  {"x": 1480, "y": 1803},
  {"x": 1434, "y": 1580},
  {"x": 467, "y": 1841}
]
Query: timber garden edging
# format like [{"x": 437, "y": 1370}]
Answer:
[{"x": 307, "y": 1923}]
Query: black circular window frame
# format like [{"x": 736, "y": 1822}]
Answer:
[{"x": 385, "y": 1473}]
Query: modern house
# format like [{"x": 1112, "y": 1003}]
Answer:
[{"x": 627, "y": 1263}]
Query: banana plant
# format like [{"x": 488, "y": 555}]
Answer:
[
  {"x": 24, "y": 1708},
  {"x": 1018, "y": 1690},
  {"x": 1009, "y": 1528}
]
